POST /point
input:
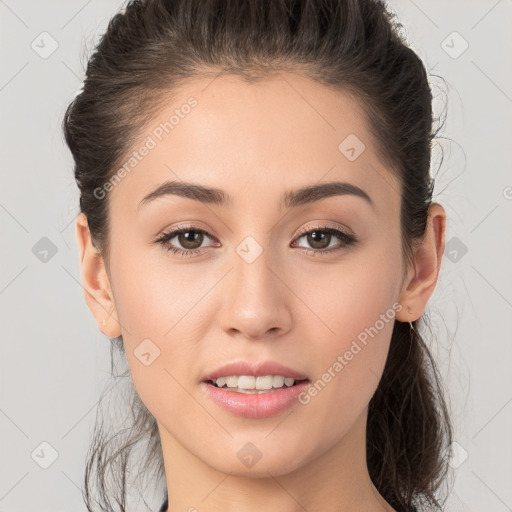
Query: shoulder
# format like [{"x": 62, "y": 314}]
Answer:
[{"x": 163, "y": 508}]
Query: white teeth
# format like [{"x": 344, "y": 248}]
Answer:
[
  {"x": 248, "y": 382},
  {"x": 264, "y": 382},
  {"x": 289, "y": 382},
  {"x": 231, "y": 382},
  {"x": 278, "y": 381}
]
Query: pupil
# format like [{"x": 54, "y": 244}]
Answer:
[
  {"x": 315, "y": 235},
  {"x": 190, "y": 239}
]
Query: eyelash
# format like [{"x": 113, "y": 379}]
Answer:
[{"x": 164, "y": 239}]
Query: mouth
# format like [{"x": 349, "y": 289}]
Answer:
[
  {"x": 250, "y": 384},
  {"x": 254, "y": 390},
  {"x": 240, "y": 394}
]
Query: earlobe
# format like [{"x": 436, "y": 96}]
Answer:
[
  {"x": 422, "y": 279},
  {"x": 95, "y": 281}
]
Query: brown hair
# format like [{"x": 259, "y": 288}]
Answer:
[{"x": 155, "y": 46}]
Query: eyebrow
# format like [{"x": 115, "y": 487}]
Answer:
[{"x": 290, "y": 199}]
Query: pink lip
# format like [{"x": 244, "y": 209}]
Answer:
[
  {"x": 255, "y": 405},
  {"x": 257, "y": 369}
]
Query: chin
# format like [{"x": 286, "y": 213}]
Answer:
[{"x": 257, "y": 459}]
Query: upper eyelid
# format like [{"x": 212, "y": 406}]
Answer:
[
  {"x": 166, "y": 234},
  {"x": 318, "y": 226},
  {"x": 325, "y": 225}
]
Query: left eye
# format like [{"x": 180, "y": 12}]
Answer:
[
  {"x": 191, "y": 238},
  {"x": 318, "y": 236}
]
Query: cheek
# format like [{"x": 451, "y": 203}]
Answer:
[
  {"x": 356, "y": 309},
  {"x": 159, "y": 311},
  {"x": 347, "y": 299},
  {"x": 151, "y": 294}
]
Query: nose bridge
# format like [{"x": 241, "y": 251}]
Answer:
[
  {"x": 256, "y": 296},
  {"x": 256, "y": 250},
  {"x": 255, "y": 264}
]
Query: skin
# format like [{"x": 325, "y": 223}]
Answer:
[{"x": 256, "y": 141}]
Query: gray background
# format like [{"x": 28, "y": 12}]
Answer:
[{"x": 54, "y": 361}]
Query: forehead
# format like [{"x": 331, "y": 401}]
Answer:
[{"x": 253, "y": 138}]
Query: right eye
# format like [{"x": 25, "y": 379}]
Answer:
[{"x": 197, "y": 235}]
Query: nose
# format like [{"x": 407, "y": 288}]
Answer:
[{"x": 257, "y": 299}]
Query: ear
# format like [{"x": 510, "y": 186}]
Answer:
[
  {"x": 96, "y": 283},
  {"x": 422, "y": 276}
]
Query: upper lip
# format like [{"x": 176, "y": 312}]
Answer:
[{"x": 256, "y": 369}]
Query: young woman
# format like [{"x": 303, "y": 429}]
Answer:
[{"x": 257, "y": 236}]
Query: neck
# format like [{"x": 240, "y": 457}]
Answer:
[{"x": 334, "y": 480}]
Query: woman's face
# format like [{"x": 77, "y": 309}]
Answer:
[{"x": 257, "y": 289}]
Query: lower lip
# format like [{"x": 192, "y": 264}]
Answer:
[{"x": 255, "y": 405}]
